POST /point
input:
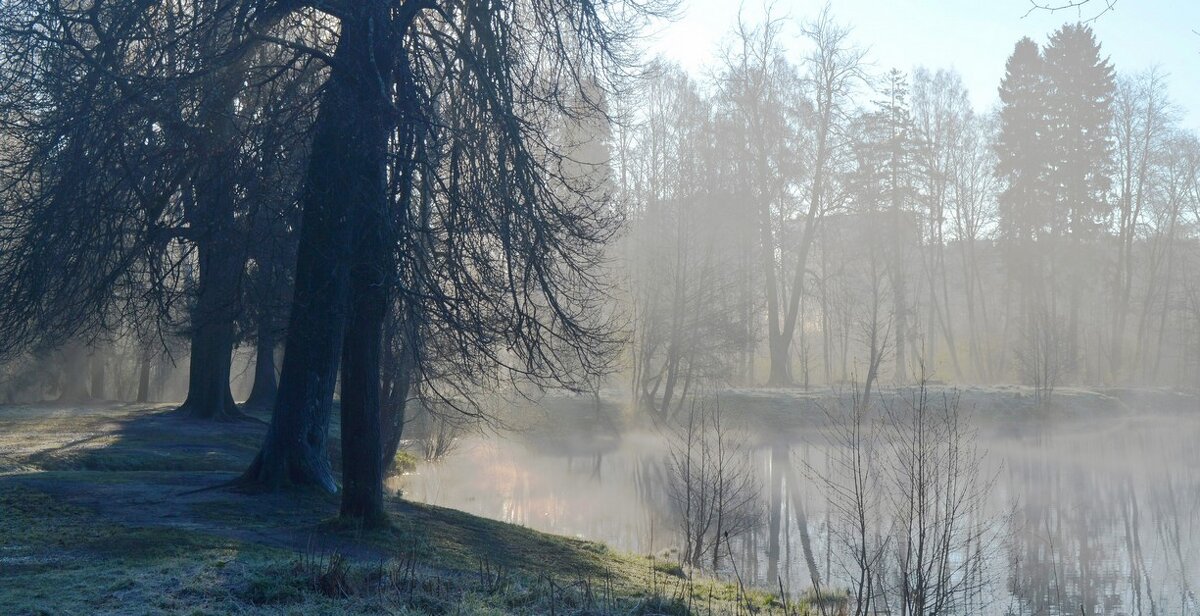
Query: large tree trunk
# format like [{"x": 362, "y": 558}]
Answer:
[
  {"x": 363, "y": 462},
  {"x": 266, "y": 386},
  {"x": 345, "y": 180},
  {"x": 209, "y": 396},
  {"x": 781, "y": 351},
  {"x": 362, "y": 458},
  {"x": 74, "y": 384},
  {"x": 393, "y": 415},
  {"x": 96, "y": 364},
  {"x": 143, "y": 390},
  {"x": 781, "y": 362},
  {"x": 219, "y": 247},
  {"x": 780, "y": 373}
]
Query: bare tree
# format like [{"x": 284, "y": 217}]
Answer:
[
  {"x": 854, "y": 487},
  {"x": 1141, "y": 119},
  {"x": 1166, "y": 251},
  {"x": 940, "y": 490},
  {"x": 940, "y": 114},
  {"x": 688, "y": 313},
  {"x": 150, "y": 202},
  {"x": 762, "y": 92},
  {"x": 973, "y": 189},
  {"x": 834, "y": 71},
  {"x": 1043, "y": 355},
  {"x": 712, "y": 484}
]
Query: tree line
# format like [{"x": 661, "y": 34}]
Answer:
[{"x": 813, "y": 222}]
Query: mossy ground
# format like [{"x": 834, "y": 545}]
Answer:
[{"x": 94, "y": 519}]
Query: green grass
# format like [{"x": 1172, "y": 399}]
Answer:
[
  {"x": 62, "y": 558},
  {"x": 97, "y": 524}
]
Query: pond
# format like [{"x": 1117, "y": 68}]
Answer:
[{"x": 1099, "y": 516}]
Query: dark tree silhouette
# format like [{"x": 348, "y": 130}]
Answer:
[
  {"x": 1078, "y": 125},
  {"x": 493, "y": 234},
  {"x": 129, "y": 170},
  {"x": 1079, "y": 95},
  {"x": 1022, "y": 166}
]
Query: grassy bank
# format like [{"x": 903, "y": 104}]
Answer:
[{"x": 94, "y": 519}]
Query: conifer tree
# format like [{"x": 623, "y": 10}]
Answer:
[
  {"x": 1020, "y": 147},
  {"x": 1079, "y": 94}
]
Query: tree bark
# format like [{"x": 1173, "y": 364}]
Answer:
[
  {"x": 266, "y": 386},
  {"x": 219, "y": 247},
  {"x": 294, "y": 452},
  {"x": 399, "y": 373},
  {"x": 363, "y": 464},
  {"x": 781, "y": 352},
  {"x": 344, "y": 193},
  {"x": 362, "y": 457},
  {"x": 209, "y": 396},
  {"x": 393, "y": 416}
]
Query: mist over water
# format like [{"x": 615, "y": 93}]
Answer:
[{"x": 1102, "y": 516}]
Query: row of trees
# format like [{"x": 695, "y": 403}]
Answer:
[
  {"x": 774, "y": 215},
  {"x": 386, "y": 187}
]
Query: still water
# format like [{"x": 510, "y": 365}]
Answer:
[{"x": 1093, "y": 516}]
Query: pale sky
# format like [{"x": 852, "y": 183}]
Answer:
[{"x": 973, "y": 36}]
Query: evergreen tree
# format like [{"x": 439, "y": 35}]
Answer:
[
  {"x": 1021, "y": 161},
  {"x": 899, "y": 151},
  {"x": 1079, "y": 99},
  {"x": 1079, "y": 95},
  {"x": 1023, "y": 167}
]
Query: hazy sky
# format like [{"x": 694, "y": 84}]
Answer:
[{"x": 973, "y": 36}]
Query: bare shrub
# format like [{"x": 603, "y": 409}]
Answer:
[
  {"x": 854, "y": 488},
  {"x": 1044, "y": 355},
  {"x": 908, "y": 494},
  {"x": 440, "y": 435},
  {"x": 711, "y": 485}
]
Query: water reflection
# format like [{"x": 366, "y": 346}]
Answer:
[
  {"x": 1098, "y": 517},
  {"x": 1107, "y": 520}
]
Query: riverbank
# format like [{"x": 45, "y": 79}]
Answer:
[
  {"x": 579, "y": 424},
  {"x": 94, "y": 519}
]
